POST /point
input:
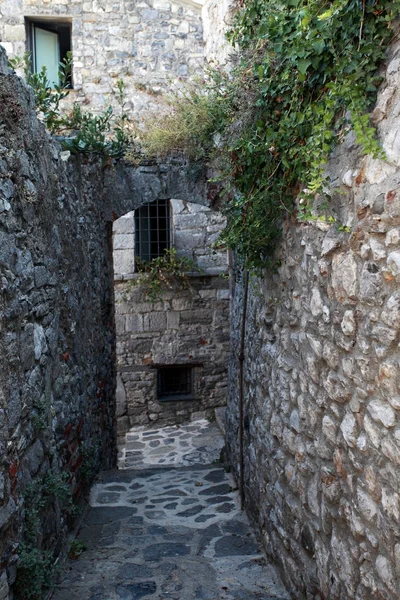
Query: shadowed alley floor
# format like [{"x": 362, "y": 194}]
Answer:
[{"x": 169, "y": 533}]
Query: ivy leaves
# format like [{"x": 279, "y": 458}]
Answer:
[{"x": 309, "y": 69}]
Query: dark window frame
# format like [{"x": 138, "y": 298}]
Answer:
[
  {"x": 168, "y": 385},
  {"x": 153, "y": 230},
  {"x": 61, "y": 26}
]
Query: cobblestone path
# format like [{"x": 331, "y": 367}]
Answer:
[
  {"x": 169, "y": 533},
  {"x": 197, "y": 442}
]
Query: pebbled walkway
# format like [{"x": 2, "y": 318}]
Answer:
[{"x": 170, "y": 533}]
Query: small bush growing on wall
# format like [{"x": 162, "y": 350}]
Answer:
[
  {"x": 106, "y": 134},
  {"x": 165, "y": 273}
]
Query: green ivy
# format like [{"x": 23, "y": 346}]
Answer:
[{"x": 307, "y": 74}]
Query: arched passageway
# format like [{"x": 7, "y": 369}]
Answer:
[{"x": 172, "y": 342}]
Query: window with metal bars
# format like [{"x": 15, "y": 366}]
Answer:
[
  {"x": 152, "y": 230},
  {"x": 175, "y": 383}
]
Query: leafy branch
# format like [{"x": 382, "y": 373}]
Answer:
[
  {"x": 165, "y": 273},
  {"x": 106, "y": 134}
]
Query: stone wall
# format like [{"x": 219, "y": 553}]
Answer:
[
  {"x": 217, "y": 17},
  {"x": 183, "y": 327},
  {"x": 150, "y": 44},
  {"x": 57, "y": 374},
  {"x": 322, "y": 420},
  {"x": 57, "y": 335},
  {"x": 194, "y": 230}
]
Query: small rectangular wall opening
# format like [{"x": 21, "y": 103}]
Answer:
[{"x": 175, "y": 383}]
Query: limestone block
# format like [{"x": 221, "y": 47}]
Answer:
[
  {"x": 393, "y": 237},
  {"x": 13, "y": 33},
  {"x": 367, "y": 507},
  {"x": 223, "y": 294},
  {"x": 39, "y": 340},
  {"x": 173, "y": 319},
  {"x": 382, "y": 412},
  {"x": 158, "y": 321},
  {"x": 124, "y": 262},
  {"x": 344, "y": 276},
  {"x": 394, "y": 402},
  {"x": 373, "y": 432},
  {"x": 121, "y": 406},
  {"x": 390, "y": 450},
  {"x": 391, "y": 312},
  {"x": 316, "y": 304},
  {"x": 385, "y": 572},
  {"x": 134, "y": 323},
  {"x": 393, "y": 262},
  {"x": 378, "y": 249},
  {"x": 349, "y": 325},
  {"x": 376, "y": 170},
  {"x": 391, "y": 503},
  {"x": 349, "y": 430},
  {"x": 329, "y": 428},
  {"x": 124, "y": 241}
]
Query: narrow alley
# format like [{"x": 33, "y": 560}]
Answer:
[{"x": 168, "y": 531}]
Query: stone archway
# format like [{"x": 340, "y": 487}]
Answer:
[{"x": 172, "y": 352}]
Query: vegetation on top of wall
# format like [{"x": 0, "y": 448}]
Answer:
[
  {"x": 164, "y": 273},
  {"x": 307, "y": 73},
  {"x": 106, "y": 134},
  {"x": 188, "y": 120}
]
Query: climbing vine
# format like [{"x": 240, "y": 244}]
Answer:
[
  {"x": 307, "y": 73},
  {"x": 309, "y": 69}
]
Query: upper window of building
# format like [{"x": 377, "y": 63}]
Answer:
[
  {"x": 152, "y": 230},
  {"x": 48, "y": 41}
]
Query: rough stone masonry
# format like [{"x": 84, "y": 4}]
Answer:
[
  {"x": 57, "y": 335},
  {"x": 151, "y": 44},
  {"x": 322, "y": 379}
]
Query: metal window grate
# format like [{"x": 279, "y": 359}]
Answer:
[
  {"x": 175, "y": 383},
  {"x": 152, "y": 230}
]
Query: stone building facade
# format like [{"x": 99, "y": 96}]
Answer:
[
  {"x": 150, "y": 44},
  {"x": 322, "y": 382},
  {"x": 182, "y": 329}
]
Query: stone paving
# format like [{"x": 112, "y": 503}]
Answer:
[
  {"x": 197, "y": 442},
  {"x": 169, "y": 533}
]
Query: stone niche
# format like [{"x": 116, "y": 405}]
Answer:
[
  {"x": 322, "y": 382},
  {"x": 184, "y": 330}
]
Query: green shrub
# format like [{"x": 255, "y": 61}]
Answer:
[{"x": 167, "y": 272}]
